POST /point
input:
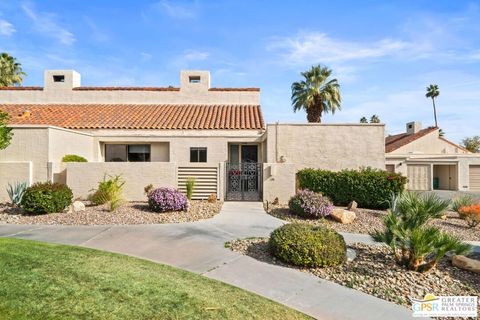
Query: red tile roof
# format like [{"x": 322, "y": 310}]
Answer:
[
  {"x": 134, "y": 116},
  {"x": 22, "y": 88},
  {"x": 397, "y": 141}
]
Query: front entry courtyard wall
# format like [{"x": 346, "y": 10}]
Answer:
[{"x": 283, "y": 149}]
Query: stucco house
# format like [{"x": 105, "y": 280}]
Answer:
[
  {"x": 431, "y": 162},
  {"x": 163, "y": 135}
]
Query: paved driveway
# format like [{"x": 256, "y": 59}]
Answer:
[{"x": 199, "y": 247}]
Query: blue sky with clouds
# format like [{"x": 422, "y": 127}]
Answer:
[{"x": 384, "y": 53}]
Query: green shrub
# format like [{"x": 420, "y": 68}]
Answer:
[
  {"x": 308, "y": 246},
  {"x": 190, "y": 185},
  {"x": 46, "y": 197},
  {"x": 370, "y": 188},
  {"x": 110, "y": 190},
  {"x": 73, "y": 158}
]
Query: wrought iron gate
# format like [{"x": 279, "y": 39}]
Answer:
[{"x": 243, "y": 181}]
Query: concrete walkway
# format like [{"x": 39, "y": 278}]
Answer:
[{"x": 199, "y": 247}]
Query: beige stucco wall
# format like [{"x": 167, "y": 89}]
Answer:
[
  {"x": 429, "y": 144},
  {"x": 13, "y": 172},
  {"x": 83, "y": 177},
  {"x": 63, "y": 141},
  {"x": 278, "y": 181},
  {"x": 327, "y": 146},
  {"x": 29, "y": 144},
  {"x": 179, "y": 142}
]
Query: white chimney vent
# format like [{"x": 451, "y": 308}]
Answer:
[
  {"x": 414, "y": 127},
  {"x": 61, "y": 79},
  {"x": 195, "y": 80}
]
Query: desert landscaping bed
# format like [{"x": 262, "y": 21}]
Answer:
[
  {"x": 130, "y": 213},
  {"x": 368, "y": 220},
  {"x": 374, "y": 271}
]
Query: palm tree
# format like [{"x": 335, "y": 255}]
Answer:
[
  {"x": 363, "y": 120},
  {"x": 374, "y": 119},
  {"x": 316, "y": 93},
  {"x": 11, "y": 73},
  {"x": 433, "y": 92}
]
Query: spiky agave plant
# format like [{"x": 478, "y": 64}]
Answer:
[
  {"x": 415, "y": 245},
  {"x": 15, "y": 192}
]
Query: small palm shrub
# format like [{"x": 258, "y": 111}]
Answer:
[
  {"x": 110, "y": 190},
  {"x": 73, "y": 158},
  {"x": 15, "y": 192},
  {"x": 370, "y": 188},
  {"x": 167, "y": 199},
  {"x": 309, "y": 204},
  {"x": 46, "y": 197},
  {"x": 471, "y": 214},
  {"x": 190, "y": 185},
  {"x": 462, "y": 201},
  {"x": 415, "y": 245},
  {"x": 308, "y": 246}
]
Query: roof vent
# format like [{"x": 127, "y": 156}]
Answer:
[
  {"x": 414, "y": 127},
  {"x": 25, "y": 114}
]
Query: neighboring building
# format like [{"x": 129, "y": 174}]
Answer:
[
  {"x": 431, "y": 162},
  {"x": 163, "y": 135}
]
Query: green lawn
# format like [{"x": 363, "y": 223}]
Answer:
[{"x": 47, "y": 281}]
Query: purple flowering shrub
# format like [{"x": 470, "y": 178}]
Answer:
[
  {"x": 167, "y": 199},
  {"x": 309, "y": 204}
]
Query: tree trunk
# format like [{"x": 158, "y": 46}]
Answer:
[
  {"x": 314, "y": 114},
  {"x": 435, "y": 112}
]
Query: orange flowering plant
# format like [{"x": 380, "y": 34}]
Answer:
[{"x": 471, "y": 214}]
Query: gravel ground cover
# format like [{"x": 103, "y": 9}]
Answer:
[
  {"x": 375, "y": 272},
  {"x": 130, "y": 213},
  {"x": 368, "y": 220}
]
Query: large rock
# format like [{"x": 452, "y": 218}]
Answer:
[
  {"x": 77, "y": 206},
  {"x": 343, "y": 216},
  {"x": 352, "y": 206},
  {"x": 466, "y": 263}
]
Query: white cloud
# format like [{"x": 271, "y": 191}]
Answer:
[
  {"x": 145, "y": 56},
  {"x": 317, "y": 47},
  {"x": 6, "y": 28},
  {"x": 177, "y": 10},
  {"x": 195, "y": 55},
  {"x": 45, "y": 23}
]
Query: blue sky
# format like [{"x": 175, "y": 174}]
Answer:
[{"x": 384, "y": 53}]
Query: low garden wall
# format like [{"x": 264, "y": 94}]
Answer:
[
  {"x": 13, "y": 172},
  {"x": 278, "y": 181},
  {"x": 82, "y": 177}
]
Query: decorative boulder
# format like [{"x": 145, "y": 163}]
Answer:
[
  {"x": 352, "y": 206},
  {"x": 343, "y": 216},
  {"x": 466, "y": 263},
  {"x": 77, "y": 206}
]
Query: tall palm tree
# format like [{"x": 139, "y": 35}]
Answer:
[
  {"x": 316, "y": 93},
  {"x": 11, "y": 73},
  {"x": 433, "y": 92}
]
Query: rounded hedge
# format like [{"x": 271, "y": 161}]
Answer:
[
  {"x": 370, "y": 188},
  {"x": 167, "y": 199},
  {"x": 309, "y": 204},
  {"x": 73, "y": 158},
  {"x": 308, "y": 246},
  {"x": 46, "y": 197}
]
